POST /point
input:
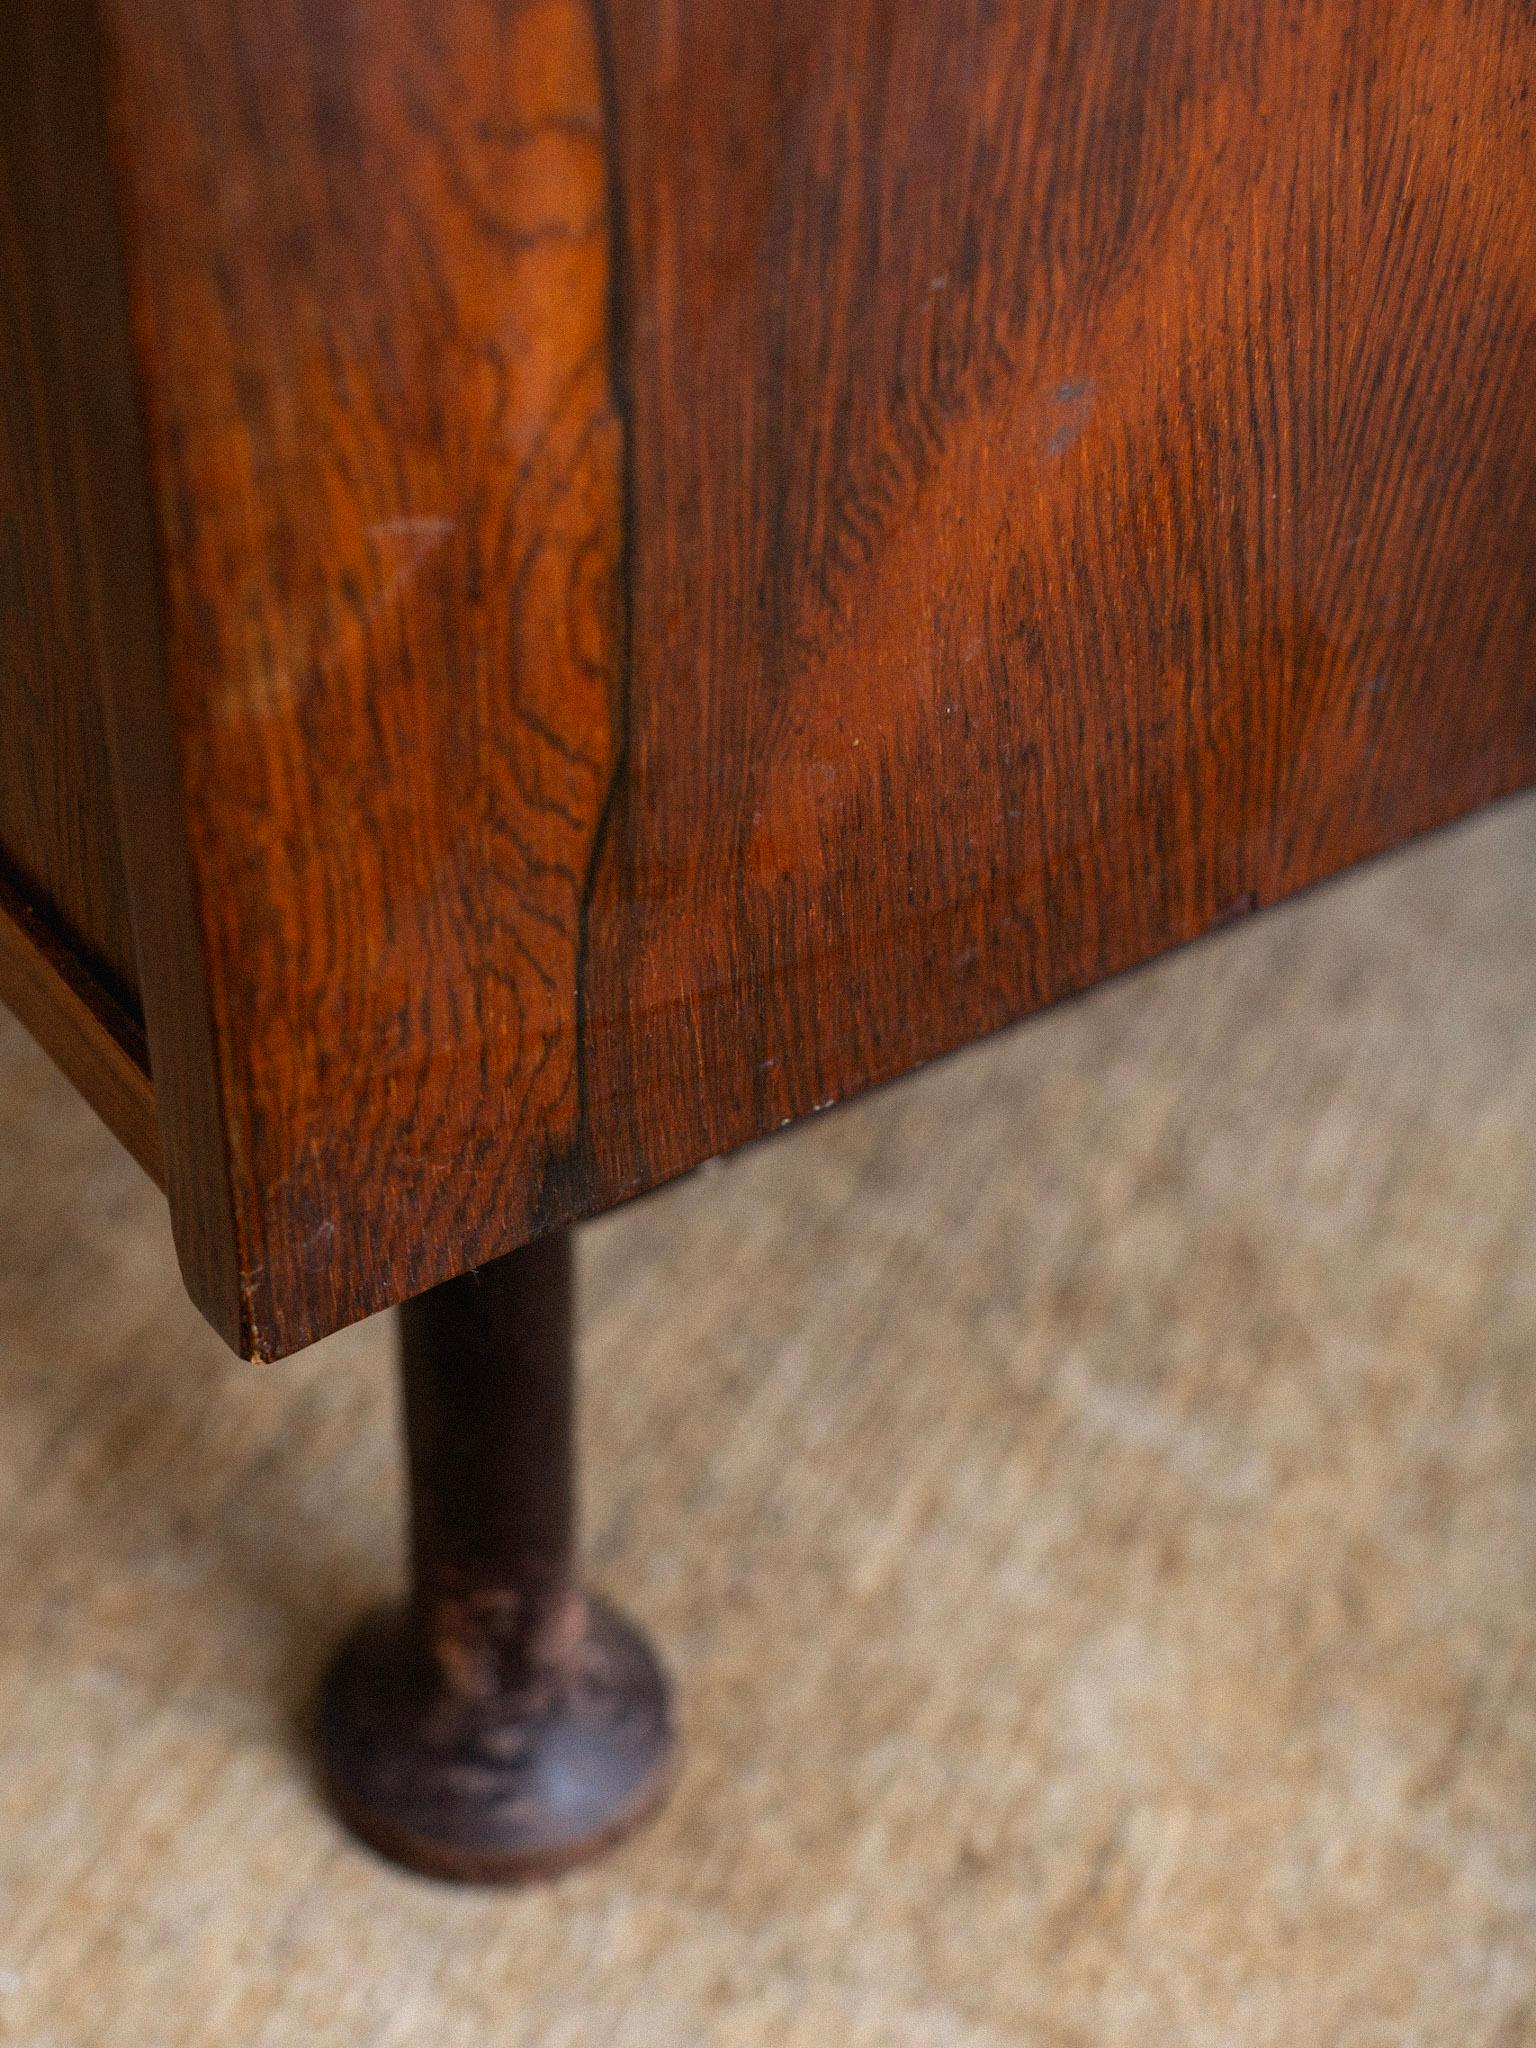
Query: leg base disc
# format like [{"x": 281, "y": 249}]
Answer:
[{"x": 499, "y": 1791}]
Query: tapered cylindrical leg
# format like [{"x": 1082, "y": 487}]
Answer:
[{"x": 503, "y": 1725}]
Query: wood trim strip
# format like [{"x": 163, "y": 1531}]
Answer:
[{"x": 88, "y": 1035}]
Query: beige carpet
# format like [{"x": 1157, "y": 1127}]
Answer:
[{"x": 1088, "y": 1494}]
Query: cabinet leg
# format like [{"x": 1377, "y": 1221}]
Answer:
[{"x": 503, "y": 1725}]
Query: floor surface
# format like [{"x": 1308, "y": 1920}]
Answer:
[{"x": 1087, "y": 1494}]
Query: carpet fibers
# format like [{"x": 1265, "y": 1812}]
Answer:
[{"x": 1087, "y": 1495}]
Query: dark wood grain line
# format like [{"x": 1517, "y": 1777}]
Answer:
[{"x": 566, "y": 1189}]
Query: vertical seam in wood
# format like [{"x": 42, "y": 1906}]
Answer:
[{"x": 560, "y": 1194}]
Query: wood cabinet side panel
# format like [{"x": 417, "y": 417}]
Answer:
[{"x": 369, "y": 263}]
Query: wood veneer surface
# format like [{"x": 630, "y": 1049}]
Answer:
[
  {"x": 1084, "y": 485},
  {"x": 368, "y": 251},
  {"x": 707, "y": 555}
]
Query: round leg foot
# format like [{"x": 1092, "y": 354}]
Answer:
[{"x": 501, "y": 1790}]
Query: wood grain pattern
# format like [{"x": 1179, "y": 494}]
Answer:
[
  {"x": 82, "y": 685},
  {"x": 703, "y": 556},
  {"x": 95, "y": 1042},
  {"x": 63, "y": 395},
  {"x": 1084, "y": 487},
  {"x": 368, "y": 248}
]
